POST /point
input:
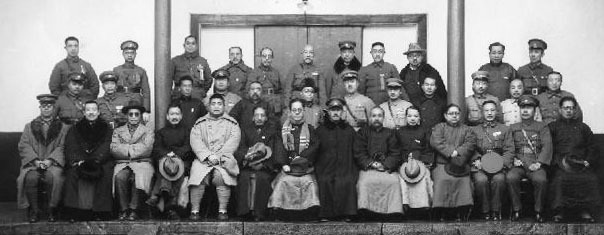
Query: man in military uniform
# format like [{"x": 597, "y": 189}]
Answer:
[
  {"x": 414, "y": 73},
  {"x": 500, "y": 73},
  {"x": 70, "y": 105},
  {"x": 42, "y": 160},
  {"x": 59, "y": 78},
  {"x": 191, "y": 64},
  {"x": 491, "y": 138},
  {"x": 347, "y": 61},
  {"x": 533, "y": 150},
  {"x": 534, "y": 74},
  {"x": 221, "y": 86},
  {"x": 549, "y": 101},
  {"x": 243, "y": 111},
  {"x": 111, "y": 104},
  {"x": 510, "y": 110},
  {"x": 480, "y": 84},
  {"x": 395, "y": 107},
  {"x": 305, "y": 70},
  {"x": 238, "y": 71},
  {"x": 271, "y": 80},
  {"x": 358, "y": 107},
  {"x": 372, "y": 78},
  {"x": 191, "y": 108},
  {"x": 132, "y": 79}
]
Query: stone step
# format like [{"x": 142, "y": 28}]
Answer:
[{"x": 265, "y": 228}]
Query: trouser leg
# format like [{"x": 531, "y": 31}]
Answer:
[
  {"x": 539, "y": 180},
  {"x": 122, "y": 187},
  {"x": 481, "y": 190},
  {"x": 30, "y": 186},
  {"x": 497, "y": 190},
  {"x": 222, "y": 190},
  {"x": 512, "y": 179}
]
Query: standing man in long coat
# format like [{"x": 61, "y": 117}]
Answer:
[
  {"x": 42, "y": 160},
  {"x": 336, "y": 170},
  {"x": 88, "y": 166},
  {"x": 214, "y": 139}
]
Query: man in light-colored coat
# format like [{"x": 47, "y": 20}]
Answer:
[
  {"x": 42, "y": 159},
  {"x": 131, "y": 146},
  {"x": 214, "y": 139}
]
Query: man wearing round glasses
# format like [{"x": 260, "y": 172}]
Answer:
[{"x": 372, "y": 78}]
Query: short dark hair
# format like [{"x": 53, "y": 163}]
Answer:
[
  {"x": 554, "y": 72},
  {"x": 259, "y": 107},
  {"x": 173, "y": 105},
  {"x": 568, "y": 98},
  {"x": 191, "y": 36},
  {"x": 489, "y": 102},
  {"x": 184, "y": 78},
  {"x": 496, "y": 44},
  {"x": 71, "y": 38},
  {"x": 422, "y": 80},
  {"x": 451, "y": 105},
  {"x": 252, "y": 82},
  {"x": 235, "y": 47},
  {"x": 294, "y": 100},
  {"x": 413, "y": 107},
  {"x": 216, "y": 96},
  {"x": 377, "y": 44},
  {"x": 91, "y": 102}
]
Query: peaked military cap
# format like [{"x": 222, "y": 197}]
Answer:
[
  {"x": 528, "y": 100},
  {"x": 347, "y": 45},
  {"x": 221, "y": 73},
  {"x": 108, "y": 76},
  {"x": 349, "y": 74},
  {"x": 129, "y": 45},
  {"x": 47, "y": 98},
  {"x": 480, "y": 75},
  {"x": 536, "y": 43}
]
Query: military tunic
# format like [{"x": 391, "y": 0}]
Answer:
[
  {"x": 297, "y": 74},
  {"x": 539, "y": 149},
  {"x": 357, "y": 110},
  {"x": 59, "y": 77},
  {"x": 238, "y": 78},
  {"x": 70, "y": 108},
  {"x": 549, "y": 105},
  {"x": 188, "y": 64},
  {"x": 511, "y": 112},
  {"x": 230, "y": 100},
  {"x": 110, "y": 109},
  {"x": 272, "y": 85},
  {"x": 394, "y": 113},
  {"x": 534, "y": 76},
  {"x": 500, "y": 76},
  {"x": 133, "y": 81},
  {"x": 474, "y": 108},
  {"x": 372, "y": 81}
]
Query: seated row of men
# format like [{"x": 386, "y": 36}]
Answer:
[{"x": 331, "y": 167}]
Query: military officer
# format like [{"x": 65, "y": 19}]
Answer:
[
  {"x": 358, "y": 107},
  {"x": 192, "y": 64},
  {"x": 395, "y": 107},
  {"x": 346, "y": 61},
  {"x": 238, "y": 71},
  {"x": 550, "y": 99},
  {"x": 534, "y": 74},
  {"x": 372, "y": 78},
  {"x": 111, "y": 104},
  {"x": 510, "y": 110},
  {"x": 271, "y": 80},
  {"x": 221, "y": 86},
  {"x": 132, "y": 79},
  {"x": 480, "y": 84},
  {"x": 302, "y": 71},
  {"x": 533, "y": 150},
  {"x": 70, "y": 105},
  {"x": 59, "y": 78},
  {"x": 500, "y": 73}
]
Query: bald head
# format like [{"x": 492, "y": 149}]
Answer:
[{"x": 308, "y": 54}]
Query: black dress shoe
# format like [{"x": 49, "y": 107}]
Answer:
[
  {"x": 539, "y": 218},
  {"x": 194, "y": 216},
  {"x": 222, "y": 216},
  {"x": 52, "y": 215},
  {"x": 496, "y": 216},
  {"x": 557, "y": 218},
  {"x": 33, "y": 216},
  {"x": 173, "y": 215},
  {"x": 486, "y": 216},
  {"x": 132, "y": 216},
  {"x": 123, "y": 215},
  {"x": 586, "y": 217},
  {"x": 515, "y": 216}
]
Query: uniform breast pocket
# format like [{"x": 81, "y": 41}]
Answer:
[{"x": 133, "y": 79}]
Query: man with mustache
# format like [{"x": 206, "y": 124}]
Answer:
[
  {"x": 500, "y": 73},
  {"x": 191, "y": 64},
  {"x": 534, "y": 74},
  {"x": 302, "y": 71},
  {"x": 416, "y": 71},
  {"x": 372, "y": 78},
  {"x": 378, "y": 156},
  {"x": 480, "y": 84},
  {"x": 533, "y": 145},
  {"x": 59, "y": 78},
  {"x": 243, "y": 111},
  {"x": 238, "y": 71}
]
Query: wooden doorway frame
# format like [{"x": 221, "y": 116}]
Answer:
[{"x": 218, "y": 20}]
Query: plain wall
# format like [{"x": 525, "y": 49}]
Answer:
[{"x": 33, "y": 34}]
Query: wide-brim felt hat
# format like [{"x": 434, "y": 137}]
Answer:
[
  {"x": 458, "y": 167},
  {"x": 90, "y": 170},
  {"x": 133, "y": 105},
  {"x": 414, "y": 47},
  {"x": 266, "y": 151},
  {"x": 171, "y": 168},
  {"x": 413, "y": 171},
  {"x": 300, "y": 166},
  {"x": 491, "y": 162}
]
